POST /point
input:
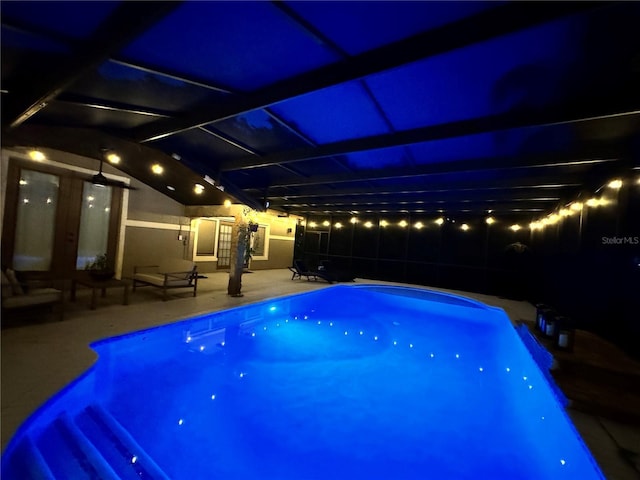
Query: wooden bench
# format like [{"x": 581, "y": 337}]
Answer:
[{"x": 168, "y": 275}]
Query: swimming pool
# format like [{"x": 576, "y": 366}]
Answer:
[{"x": 347, "y": 382}]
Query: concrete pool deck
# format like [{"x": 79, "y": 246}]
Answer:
[{"x": 41, "y": 357}]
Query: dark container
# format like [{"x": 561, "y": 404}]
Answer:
[
  {"x": 543, "y": 314},
  {"x": 565, "y": 334}
]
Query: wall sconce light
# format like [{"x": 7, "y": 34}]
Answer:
[
  {"x": 326, "y": 223},
  {"x": 419, "y": 225},
  {"x": 515, "y": 227},
  {"x": 464, "y": 227},
  {"x": 439, "y": 221},
  {"x": 616, "y": 184},
  {"x": 227, "y": 203},
  {"x": 368, "y": 224},
  {"x": 354, "y": 220},
  {"x": 198, "y": 189},
  {"x": 490, "y": 220},
  {"x": 383, "y": 223},
  {"x": 157, "y": 169},
  {"x": 403, "y": 223},
  {"x": 338, "y": 225}
]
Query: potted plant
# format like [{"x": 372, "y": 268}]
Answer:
[{"x": 99, "y": 268}]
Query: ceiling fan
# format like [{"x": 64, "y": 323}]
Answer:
[{"x": 101, "y": 180}]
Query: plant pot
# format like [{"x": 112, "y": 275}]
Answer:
[{"x": 101, "y": 274}]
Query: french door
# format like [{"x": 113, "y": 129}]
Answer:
[
  {"x": 55, "y": 221},
  {"x": 224, "y": 246}
]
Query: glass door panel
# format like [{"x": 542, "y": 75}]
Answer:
[
  {"x": 224, "y": 245},
  {"x": 35, "y": 220},
  {"x": 95, "y": 214}
]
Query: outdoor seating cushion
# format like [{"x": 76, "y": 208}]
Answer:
[
  {"x": 177, "y": 272},
  {"x": 157, "y": 279},
  {"x": 36, "y": 296},
  {"x": 16, "y": 288}
]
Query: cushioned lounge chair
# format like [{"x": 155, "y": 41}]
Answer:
[
  {"x": 172, "y": 274},
  {"x": 20, "y": 296},
  {"x": 300, "y": 270}
]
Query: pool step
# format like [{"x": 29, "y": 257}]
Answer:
[
  {"x": 117, "y": 445},
  {"x": 90, "y": 445}
]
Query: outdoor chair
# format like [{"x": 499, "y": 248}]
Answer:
[
  {"x": 172, "y": 274},
  {"x": 300, "y": 270}
]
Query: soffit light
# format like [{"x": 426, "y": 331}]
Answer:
[
  {"x": 198, "y": 189},
  {"x": 113, "y": 158},
  {"x": 37, "y": 155},
  {"x": 157, "y": 169}
]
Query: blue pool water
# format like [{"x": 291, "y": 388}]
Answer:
[{"x": 348, "y": 382}]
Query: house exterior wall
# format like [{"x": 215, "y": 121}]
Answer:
[{"x": 154, "y": 226}]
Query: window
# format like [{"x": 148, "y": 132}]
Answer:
[
  {"x": 206, "y": 238},
  {"x": 260, "y": 243}
]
